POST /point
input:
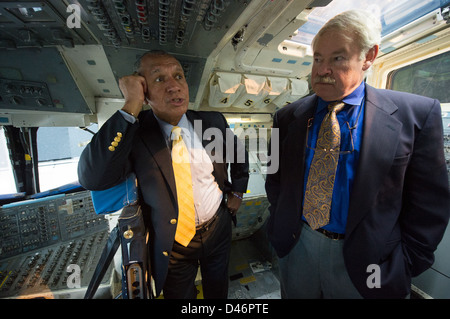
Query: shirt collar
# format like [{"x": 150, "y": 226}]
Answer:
[
  {"x": 354, "y": 98},
  {"x": 166, "y": 128}
]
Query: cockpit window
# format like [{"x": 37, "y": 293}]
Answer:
[
  {"x": 429, "y": 77},
  {"x": 7, "y": 185},
  {"x": 393, "y": 14},
  {"x": 59, "y": 149}
]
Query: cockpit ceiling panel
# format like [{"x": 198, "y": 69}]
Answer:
[
  {"x": 37, "y": 79},
  {"x": 25, "y": 24},
  {"x": 192, "y": 27},
  {"x": 188, "y": 29}
]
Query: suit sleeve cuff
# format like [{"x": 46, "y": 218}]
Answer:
[{"x": 128, "y": 117}]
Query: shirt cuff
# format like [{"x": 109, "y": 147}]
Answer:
[{"x": 128, "y": 117}]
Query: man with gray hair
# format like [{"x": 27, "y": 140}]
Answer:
[{"x": 361, "y": 199}]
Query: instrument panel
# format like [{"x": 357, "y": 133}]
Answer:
[{"x": 50, "y": 247}]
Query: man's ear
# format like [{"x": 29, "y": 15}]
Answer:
[{"x": 371, "y": 55}]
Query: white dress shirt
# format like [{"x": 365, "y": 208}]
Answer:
[{"x": 207, "y": 194}]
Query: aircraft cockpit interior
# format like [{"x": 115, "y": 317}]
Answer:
[{"x": 60, "y": 65}]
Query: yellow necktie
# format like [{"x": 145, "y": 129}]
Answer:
[
  {"x": 183, "y": 180},
  {"x": 322, "y": 172}
]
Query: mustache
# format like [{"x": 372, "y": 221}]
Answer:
[{"x": 324, "y": 80}]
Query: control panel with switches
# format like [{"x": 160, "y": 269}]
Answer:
[
  {"x": 26, "y": 94},
  {"x": 45, "y": 241}
]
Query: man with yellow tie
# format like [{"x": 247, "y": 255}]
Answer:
[
  {"x": 187, "y": 199},
  {"x": 361, "y": 199}
]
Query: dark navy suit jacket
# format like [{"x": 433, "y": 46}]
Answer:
[
  {"x": 143, "y": 149},
  {"x": 400, "y": 203}
]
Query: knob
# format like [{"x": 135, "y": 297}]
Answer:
[
  {"x": 16, "y": 100},
  {"x": 41, "y": 102}
]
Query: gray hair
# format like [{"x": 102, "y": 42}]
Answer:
[
  {"x": 137, "y": 64},
  {"x": 357, "y": 25}
]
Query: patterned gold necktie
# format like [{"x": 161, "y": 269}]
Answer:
[
  {"x": 322, "y": 172},
  {"x": 183, "y": 180}
]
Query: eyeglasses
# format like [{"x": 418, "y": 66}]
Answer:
[{"x": 350, "y": 144}]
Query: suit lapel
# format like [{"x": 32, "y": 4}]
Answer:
[
  {"x": 380, "y": 139},
  {"x": 153, "y": 139},
  {"x": 192, "y": 117},
  {"x": 294, "y": 144}
]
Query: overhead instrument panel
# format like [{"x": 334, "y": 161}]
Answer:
[
  {"x": 164, "y": 24},
  {"x": 25, "y": 24},
  {"x": 139, "y": 24},
  {"x": 42, "y": 243},
  {"x": 37, "y": 79},
  {"x": 79, "y": 49}
]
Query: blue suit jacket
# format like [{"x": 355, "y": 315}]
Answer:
[
  {"x": 400, "y": 203},
  {"x": 143, "y": 149}
]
